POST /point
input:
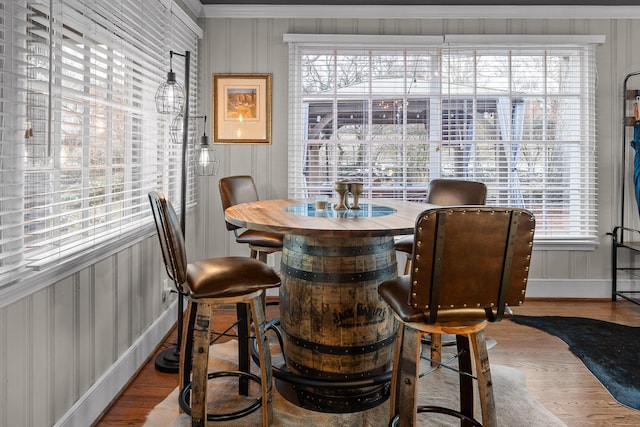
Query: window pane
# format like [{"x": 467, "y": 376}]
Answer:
[{"x": 516, "y": 118}]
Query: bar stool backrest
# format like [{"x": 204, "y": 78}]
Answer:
[
  {"x": 235, "y": 190},
  {"x": 171, "y": 238},
  {"x": 470, "y": 262},
  {"x": 454, "y": 192}
]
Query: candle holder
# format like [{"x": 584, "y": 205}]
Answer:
[
  {"x": 342, "y": 188},
  {"x": 356, "y": 188}
]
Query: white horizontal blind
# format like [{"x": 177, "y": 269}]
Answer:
[
  {"x": 13, "y": 100},
  {"x": 520, "y": 118},
  {"x": 86, "y": 145}
]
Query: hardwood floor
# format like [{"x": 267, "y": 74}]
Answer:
[{"x": 555, "y": 377}]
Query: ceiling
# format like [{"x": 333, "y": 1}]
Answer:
[{"x": 429, "y": 2}]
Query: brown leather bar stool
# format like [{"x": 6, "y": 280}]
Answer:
[
  {"x": 446, "y": 192},
  {"x": 241, "y": 189},
  {"x": 470, "y": 264},
  {"x": 210, "y": 283}
]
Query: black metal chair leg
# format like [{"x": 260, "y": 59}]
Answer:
[
  {"x": 243, "y": 347},
  {"x": 466, "y": 381}
]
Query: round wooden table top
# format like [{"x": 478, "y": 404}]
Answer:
[{"x": 378, "y": 217}]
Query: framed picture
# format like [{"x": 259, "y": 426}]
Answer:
[{"x": 241, "y": 108}]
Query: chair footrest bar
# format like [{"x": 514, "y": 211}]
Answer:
[
  {"x": 449, "y": 411},
  {"x": 185, "y": 402}
]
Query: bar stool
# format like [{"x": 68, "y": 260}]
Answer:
[
  {"x": 445, "y": 192},
  {"x": 241, "y": 189},
  {"x": 210, "y": 283},
  {"x": 470, "y": 264}
]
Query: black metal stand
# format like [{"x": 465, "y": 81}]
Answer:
[
  {"x": 169, "y": 360},
  {"x": 620, "y": 232},
  {"x": 617, "y": 244}
]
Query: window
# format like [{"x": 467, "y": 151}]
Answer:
[
  {"x": 81, "y": 143},
  {"x": 520, "y": 118}
]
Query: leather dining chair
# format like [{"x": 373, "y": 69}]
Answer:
[
  {"x": 445, "y": 192},
  {"x": 207, "y": 284},
  {"x": 470, "y": 265},
  {"x": 242, "y": 189}
]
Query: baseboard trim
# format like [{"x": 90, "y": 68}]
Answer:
[
  {"x": 569, "y": 288},
  {"x": 93, "y": 403}
]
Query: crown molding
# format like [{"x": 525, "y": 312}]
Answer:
[
  {"x": 420, "y": 12},
  {"x": 195, "y": 6}
]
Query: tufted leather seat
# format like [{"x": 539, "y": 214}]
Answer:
[{"x": 209, "y": 283}]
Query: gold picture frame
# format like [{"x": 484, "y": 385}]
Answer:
[{"x": 241, "y": 108}]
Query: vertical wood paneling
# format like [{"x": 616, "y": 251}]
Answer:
[
  {"x": 342, "y": 26},
  {"x": 29, "y": 359},
  {"x": 16, "y": 363},
  {"x": 84, "y": 321},
  {"x": 50, "y": 349},
  {"x": 135, "y": 293},
  {"x": 123, "y": 302},
  {"x": 151, "y": 287},
  {"x": 57, "y": 342},
  {"x": 279, "y": 63},
  {"x": 156, "y": 276},
  {"x": 104, "y": 315},
  {"x": 65, "y": 363},
  {"x": 264, "y": 45},
  {"x": 40, "y": 360},
  {"x": 4, "y": 363}
]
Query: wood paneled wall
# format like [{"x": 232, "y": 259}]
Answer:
[
  {"x": 58, "y": 346},
  {"x": 256, "y": 46}
]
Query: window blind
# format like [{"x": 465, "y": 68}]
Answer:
[
  {"x": 13, "y": 100},
  {"x": 82, "y": 144},
  {"x": 519, "y": 117}
]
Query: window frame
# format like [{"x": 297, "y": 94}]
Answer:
[{"x": 301, "y": 42}]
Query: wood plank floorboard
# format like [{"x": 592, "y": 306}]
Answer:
[{"x": 555, "y": 377}]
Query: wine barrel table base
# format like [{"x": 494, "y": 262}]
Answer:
[
  {"x": 335, "y": 327},
  {"x": 337, "y": 333}
]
